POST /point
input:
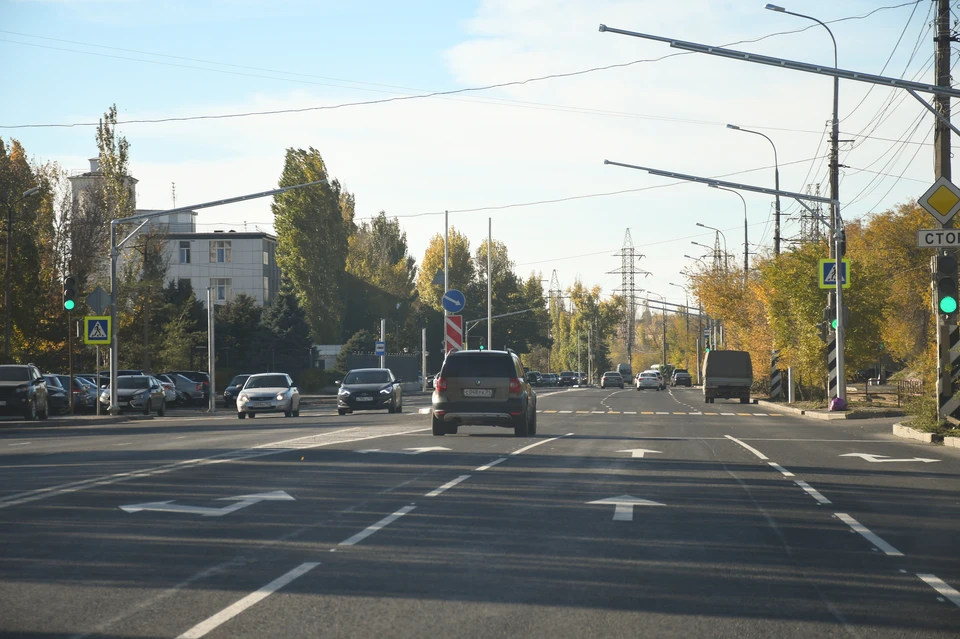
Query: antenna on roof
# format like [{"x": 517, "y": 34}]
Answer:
[{"x": 173, "y": 193}]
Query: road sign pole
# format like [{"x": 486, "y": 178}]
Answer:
[
  {"x": 943, "y": 171},
  {"x": 383, "y": 338},
  {"x": 70, "y": 358},
  {"x": 841, "y": 379},
  {"x": 97, "y": 383}
]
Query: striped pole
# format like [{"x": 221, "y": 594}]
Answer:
[
  {"x": 949, "y": 405},
  {"x": 832, "y": 366},
  {"x": 776, "y": 386}
]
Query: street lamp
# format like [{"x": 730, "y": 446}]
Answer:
[
  {"x": 835, "y": 129},
  {"x": 699, "y": 259},
  {"x": 686, "y": 314},
  {"x": 746, "y": 262},
  {"x": 6, "y": 294},
  {"x": 776, "y": 185},
  {"x": 704, "y": 226}
]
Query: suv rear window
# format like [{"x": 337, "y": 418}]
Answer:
[
  {"x": 14, "y": 374},
  {"x": 479, "y": 366}
]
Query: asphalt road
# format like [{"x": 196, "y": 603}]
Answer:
[{"x": 629, "y": 514}]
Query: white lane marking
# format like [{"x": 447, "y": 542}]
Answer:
[
  {"x": 599, "y": 412},
  {"x": 813, "y": 492},
  {"x": 869, "y": 536},
  {"x": 786, "y": 473},
  {"x": 662, "y": 413},
  {"x": 564, "y": 412},
  {"x": 942, "y": 587},
  {"x": 749, "y": 447},
  {"x": 629, "y": 412},
  {"x": 449, "y": 484},
  {"x": 492, "y": 464},
  {"x": 124, "y": 444},
  {"x": 761, "y": 415},
  {"x": 383, "y": 523},
  {"x": 232, "y": 611},
  {"x": 20, "y": 444},
  {"x": 262, "y": 450},
  {"x": 535, "y": 444},
  {"x": 181, "y": 437},
  {"x": 424, "y": 411}
]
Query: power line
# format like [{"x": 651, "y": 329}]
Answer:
[{"x": 419, "y": 96}]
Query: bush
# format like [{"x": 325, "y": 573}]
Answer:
[
  {"x": 923, "y": 414},
  {"x": 314, "y": 380}
]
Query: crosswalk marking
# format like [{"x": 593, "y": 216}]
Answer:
[
  {"x": 675, "y": 413},
  {"x": 583, "y": 412},
  {"x": 613, "y": 412},
  {"x": 549, "y": 411},
  {"x": 714, "y": 414},
  {"x": 565, "y": 412},
  {"x": 646, "y": 412},
  {"x": 629, "y": 412}
]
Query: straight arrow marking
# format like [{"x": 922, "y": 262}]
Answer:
[
  {"x": 240, "y": 501},
  {"x": 405, "y": 451},
  {"x": 883, "y": 458},
  {"x": 639, "y": 452},
  {"x": 623, "y": 505}
]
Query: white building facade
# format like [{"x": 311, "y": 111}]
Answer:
[{"x": 228, "y": 262}]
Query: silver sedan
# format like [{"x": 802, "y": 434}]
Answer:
[{"x": 268, "y": 393}]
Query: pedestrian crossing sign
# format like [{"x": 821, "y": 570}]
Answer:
[
  {"x": 96, "y": 330},
  {"x": 828, "y": 273}
]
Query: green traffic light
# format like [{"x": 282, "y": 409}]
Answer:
[
  {"x": 833, "y": 324},
  {"x": 948, "y": 304},
  {"x": 69, "y": 304}
]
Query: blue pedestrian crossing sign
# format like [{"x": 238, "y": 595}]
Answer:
[
  {"x": 96, "y": 330},
  {"x": 828, "y": 273}
]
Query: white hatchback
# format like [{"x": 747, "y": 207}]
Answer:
[
  {"x": 268, "y": 393},
  {"x": 648, "y": 379}
]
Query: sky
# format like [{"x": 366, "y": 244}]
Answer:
[{"x": 528, "y": 155}]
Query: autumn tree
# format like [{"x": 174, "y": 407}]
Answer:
[
  {"x": 378, "y": 254},
  {"x": 461, "y": 267},
  {"x": 313, "y": 224}
]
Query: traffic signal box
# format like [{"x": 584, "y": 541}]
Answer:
[
  {"x": 69, "y": 292},
  {"x": 945, "y": 283}
]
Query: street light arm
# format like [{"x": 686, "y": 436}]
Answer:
[{"x": 773, "y": 7}]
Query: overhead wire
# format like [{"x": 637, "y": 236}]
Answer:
[{"x": 430, "y": 94}]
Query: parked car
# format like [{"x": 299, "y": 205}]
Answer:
[
  {"x": 487, "y": 388},
  {"x": 369, "y": 389},
  {"x": 681, "y": 377},
  {"x": 535, "y": 378},
  {"x": 648, "y": 379},
  {"x": 137, "y": 392},
  {"x": 180, "y": 387},
  {"x": 550, "y": 379},
  {"x": 23, "y": 391},
  {"x": 197, "y": 377},
  {"x": 57, "y": 397},
  {"x": 611, "y": 378},
  {"x": 192, "y": 391},
  {"x": 268, "y": 393},
  {"x": 233, "y": 389},
  {"x": 582, "y": 379},
  {"x": 84, "y": 392}
]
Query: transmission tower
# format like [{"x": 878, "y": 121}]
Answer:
[
  {"x": 810, "y": 229},
  {"x": 555, "y": 293},
  {"x": 628, "y": 274}
]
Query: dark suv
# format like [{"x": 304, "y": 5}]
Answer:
[
  {"x": 568, "y": 378},
  {"x": 483, "y": 388},
  {"x": 23, "y": 391}
]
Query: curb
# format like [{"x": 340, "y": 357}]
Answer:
[
  {"x": 951, "y": 442},
  {"x": 799, "y": 411},
  {"x": 929, "y": 438}
]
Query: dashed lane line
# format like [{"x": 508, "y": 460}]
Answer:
[
  {"x": 748, "y": 447},
  {"x": 383, "y": 523},
  {"x": 868, "y": 535},
  {"x": 942, "y": 587},
  {"x": 450, "y": 484},
  {"x": 784, "y": 471},
  {"x": 813, "y": 492}
]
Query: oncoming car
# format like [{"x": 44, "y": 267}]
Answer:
[
  {"x": 369, "y": 389},
  {"x": 268, "y": 393}
]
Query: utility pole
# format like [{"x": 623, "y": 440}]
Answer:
[
  {"x": 211, "y": 352},
  {"x": 942, "y": 169},
  {"x": 489, "y": 282}
]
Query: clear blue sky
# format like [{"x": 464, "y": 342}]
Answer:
[{"x": 66, "y": 61}]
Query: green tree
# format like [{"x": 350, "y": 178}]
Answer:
[
  {"x": 285, "y": 323},
  {"x": 378, "y": 255},
  {"x": 461, "y": 268},
  {"x": 361, "y": 342},
  {"x": 313, "y": 224}
]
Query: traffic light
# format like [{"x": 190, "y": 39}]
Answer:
[
  {"x": 69, "y": 292},
  {"x": 483, "y": 344},
  {"x": 945, "y": 274},
  {"x": 842, "y": 245}
]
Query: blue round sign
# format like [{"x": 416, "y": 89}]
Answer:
[{"x": 453, "y": 301}]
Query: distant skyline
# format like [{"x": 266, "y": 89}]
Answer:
[{"x": 528, "y": 155}]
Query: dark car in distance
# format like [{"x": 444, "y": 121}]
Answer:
[
  {"x": 483, "y": 388},
  {"x": 23, "y": 392},
  {"x": 535, "y": 378},
  {"x": 202, "y": 381},
  {"x": 568, "y": 378},
  {"x": 233, "y": 389},
  {"x": 57, "y": 397},
  {"x": 681, "y": 377},
  {"x": 611, "y": 378},
  {"x": 369, "y": 389}
]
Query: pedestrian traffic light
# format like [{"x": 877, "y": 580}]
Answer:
[
  {"x": 945, "y": 267},
  {"x": 483, "y": 344},
  {"x": 69, "y": 292}
]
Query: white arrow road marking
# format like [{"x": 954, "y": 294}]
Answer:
[
  {"x": 405, "y": 451},
  {"x": 240, "y": 501},
  {"x": 639, "y": 452},
  {"x": 884, "y": 458},
  {"x": 624, "y": 504}
]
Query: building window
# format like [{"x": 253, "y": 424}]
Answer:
[
  {"x": 184, "y": 252},
  {"x": 222, "y": 288},
  {"x": 266, "y": 258},
  {"x": 266, "y": 289},
  {"x": 220, "y": 251}
]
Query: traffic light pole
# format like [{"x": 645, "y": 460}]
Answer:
[{"x": 838, "y": 233}]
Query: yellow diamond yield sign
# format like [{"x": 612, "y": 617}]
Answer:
[{"x": 942, "y": 200}]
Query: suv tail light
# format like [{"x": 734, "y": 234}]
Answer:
[
  {"x": 199, "y": 387},
  {"x": 515, "y": 387},
  {"x": 441, "y": 384}
]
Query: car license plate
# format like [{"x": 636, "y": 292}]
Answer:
[
  {"x": 259, "y": 405},
  {"x": 478, "y": 392},
  {"x": 122, "y": 403},
  {"x": 364, "y": 399}
]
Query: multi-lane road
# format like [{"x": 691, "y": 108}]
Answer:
[{"x": 629, "y": 514}]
